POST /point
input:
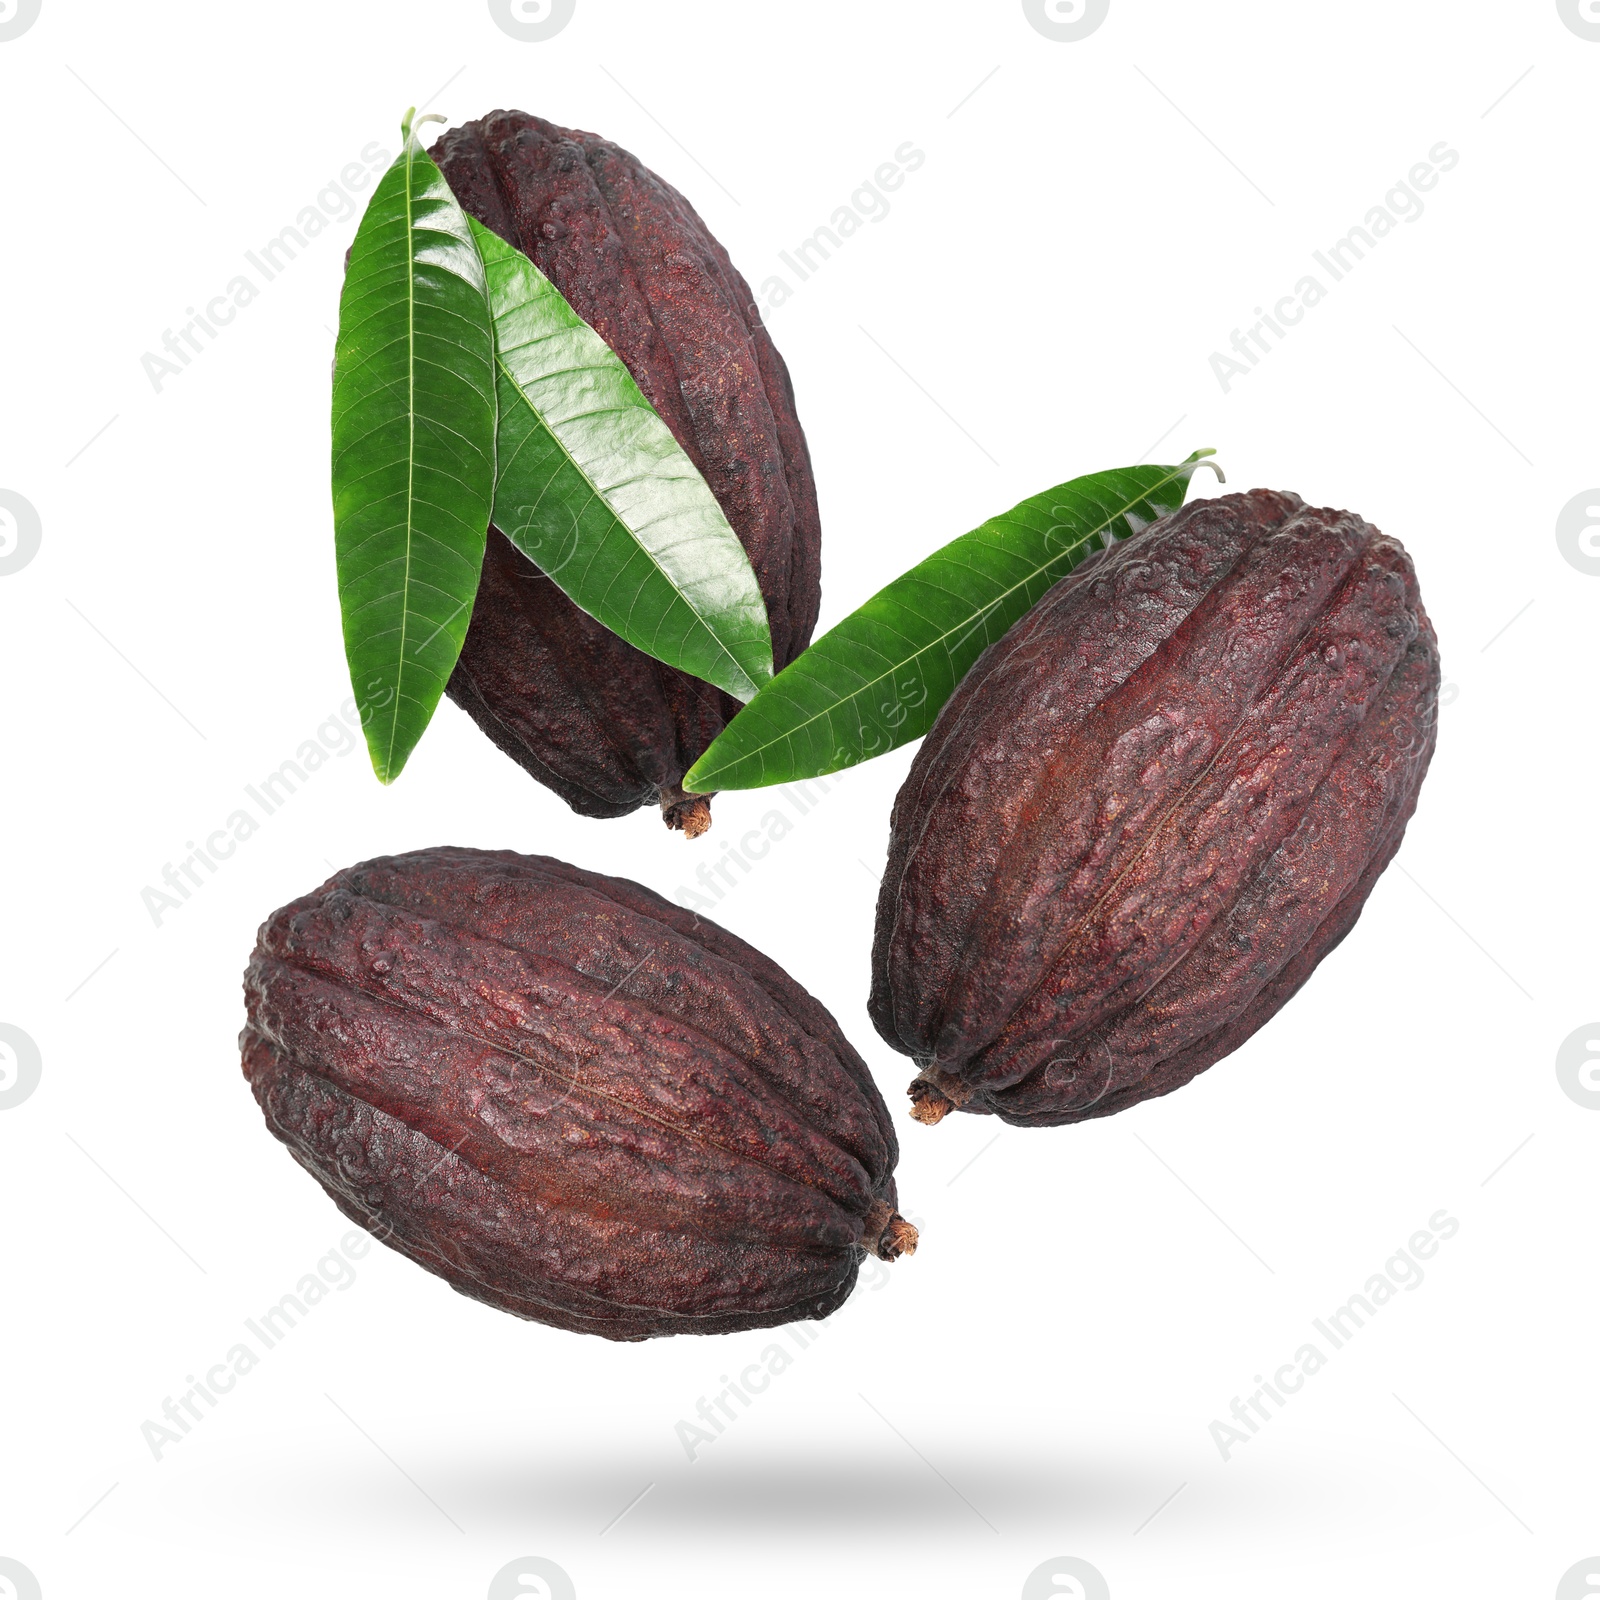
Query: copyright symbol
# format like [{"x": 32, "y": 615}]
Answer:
[
  {"x": 16, "y": 17},
  {"x": 1582, "y": 16},
  {"x": 1066, "y": 21},
  {"x": 532, "y": 21},
  {"x": 20, "y": 528}
]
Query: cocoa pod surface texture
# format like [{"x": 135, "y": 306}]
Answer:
[
  {"x": 605, "y": 726},
  {"x": 1151, "y": 809},
  {"x": 569, "y": 1098}
]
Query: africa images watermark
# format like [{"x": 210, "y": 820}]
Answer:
[
  {"x": 181, "y": 1415},
  {"x": 869, "y": 203},
  {"x": 338, "y": 735},
  {"x": 753, "y": 1379},
  {"x": 1403, "y": 203},
  {"x": 716, "y": 879},
  {"x": 335, "y": 202},
  {"x": 1402, "y": 1270},
  {"x": 717, "y": 1412}
]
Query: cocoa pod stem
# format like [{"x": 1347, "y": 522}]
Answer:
[
  {"x": 935, "y": 1094},
  {"x": 691, "y": 813},
  {"x": 886, "y": 1234}
]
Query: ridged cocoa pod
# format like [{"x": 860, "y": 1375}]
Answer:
[
  {"x": 604, "y": 725},
  {"x": 569, "y": 1098},
  {"x": 1151, "y": 809}
]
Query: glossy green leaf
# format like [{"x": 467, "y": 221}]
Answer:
[
  {"x": 413, "y": 450},
  {"x": 879, "y": 679},
  {"x": 597, "y": 493}
]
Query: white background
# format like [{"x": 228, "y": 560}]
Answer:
[{"x": 1089, "y": 226}]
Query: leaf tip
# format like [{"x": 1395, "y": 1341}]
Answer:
[
  {"x": 384, "y": 766},
  {"x": 1198, "y": 460},
  {"x": 411, "y": 126}
]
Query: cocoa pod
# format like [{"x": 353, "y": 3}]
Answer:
[
  {"x": 569, "y": 1098},
  {"x": 1151, "y": 809},
  {"x": 602, "y": 724}
]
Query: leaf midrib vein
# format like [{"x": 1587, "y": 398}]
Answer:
[
  {"x": 969, "y": 624},
  {"x": 597, "y": 492}
]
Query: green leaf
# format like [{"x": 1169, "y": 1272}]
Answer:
[
  {"x": 596, "y": 492},
  {"x": 879, "y": 679},
  {"x": 413, "y": 450}
]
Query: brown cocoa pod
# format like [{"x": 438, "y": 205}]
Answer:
[
  {"x": 569, "y": 1098},
  {"x": 1151, "y": 809},
  {"x": 601, "y": 723}
]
